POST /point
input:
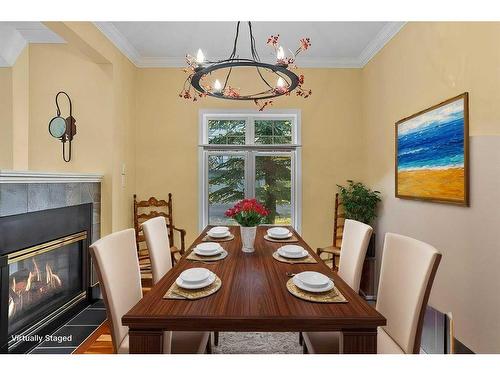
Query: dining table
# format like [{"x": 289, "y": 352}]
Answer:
[{"x": 253, "y": 298}]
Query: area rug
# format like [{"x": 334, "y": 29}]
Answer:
[{"x": 258, "y": 343}]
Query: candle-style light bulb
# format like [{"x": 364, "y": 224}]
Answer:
[
  {"x": 200, "y": 57},
  {"x": 281, "y": 83},
  {"x": 217, "y": 86},
  {"x": 280, "y": 55}
]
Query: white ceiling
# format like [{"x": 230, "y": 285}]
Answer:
[
  {"x": 165, "y": 44},
  {"x": 15, "y": 35}
]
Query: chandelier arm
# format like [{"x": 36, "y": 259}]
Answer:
[
  {"x": 263, "y": 79},
  {"x": 227, "y": 78},
  {"x": 253, "y": 50},
  {"x": 235, "y": 41}
]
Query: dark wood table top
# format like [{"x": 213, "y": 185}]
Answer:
[{"x": 253, "y": 297}]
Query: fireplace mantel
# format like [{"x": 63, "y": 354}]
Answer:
[{"x": 33, "y": 177}]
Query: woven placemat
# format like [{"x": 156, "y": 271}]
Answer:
[
  {"x": 332, "y": 296},
  {"x": 176, "y": 292},
  {"x": 289, "y": 240},
  {"x": 207, "y": 238},
  {"x": 193, "y": 256},
  {"x": 307, "y": 259}
]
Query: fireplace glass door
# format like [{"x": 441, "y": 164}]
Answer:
[{"x": 44, "y": 279}]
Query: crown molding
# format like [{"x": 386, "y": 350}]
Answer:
[
  {"x": 120, "y": 41},
  {"x": 28, "y": 177},
  {"x": 380, "y": 40},
  {"x": 375, "y": 45}
]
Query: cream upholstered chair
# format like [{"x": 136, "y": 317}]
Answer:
[
  {"x": 156, "y": 235},
  {"x": 406, "y": 277},
  {"x": 356, "y": 237},
  {"x": 117, "y": 266}
]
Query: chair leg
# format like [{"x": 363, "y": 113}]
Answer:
[
  {"x": 209, "y": 347},
  {"x": 301, "y": 339},
  {"x": 334, "y": 265},
  {"x": 304, "y": 349},
  {"x": 216, "y": 338}
]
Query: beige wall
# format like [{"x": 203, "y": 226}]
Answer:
[
  {"x": 57, "y": 68},
  {"x": 423, "y": 65},
  {"x": 6, "y": 118},
  {"x": 167, "y": 139},
  {"x": 20, "y": 111}
]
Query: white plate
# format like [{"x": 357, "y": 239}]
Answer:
[
  {"x": 278, "y": 232},
  {"x": 194, "y": 275},
  {"x": 218, "y": 234},
  {"x": 280, "y": 237},
  {"x": 207, "y": 247},
  {"x": 301, "y": 285},
  {"x": 208, "y": 254},
  {"x": 219, "y": 230},
  {"x": 303, "y": 254},
  {"x": 292, "y": 251},
  {"x": 313, "y": 279},
  {"x": 203, "y": 284}
]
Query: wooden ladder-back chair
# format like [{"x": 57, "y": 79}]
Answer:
[
  {"x": 145, "y": 210},
  {"x": 338, "y": 230}
]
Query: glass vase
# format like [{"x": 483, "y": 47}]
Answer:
[{"x": 248, "y": 238}]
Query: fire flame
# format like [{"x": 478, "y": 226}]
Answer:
[{"x": 22, "y": 292}]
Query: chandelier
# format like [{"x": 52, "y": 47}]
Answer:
[{"x": 276, "y": 79}]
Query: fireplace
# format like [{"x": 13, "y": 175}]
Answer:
[{"x": 45, "y": 276}]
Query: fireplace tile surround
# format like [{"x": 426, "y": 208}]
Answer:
[{"x": 26, "y": 191}]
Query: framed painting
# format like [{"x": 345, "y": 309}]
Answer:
[{"x": 432, "y": 153}]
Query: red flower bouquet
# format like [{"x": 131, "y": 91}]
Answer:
[{"x": 247, "y": 212}]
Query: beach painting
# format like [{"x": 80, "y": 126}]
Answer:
[{"x": 432, "y": 153}]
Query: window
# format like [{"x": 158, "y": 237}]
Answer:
[{"x": 250, "y": 154}]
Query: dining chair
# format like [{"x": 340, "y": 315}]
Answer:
[
  {"x": 117, "y": 267},
  {"x": 356, "y": 237},
  {"x": 406, "y": 277},
  {"x": 156, "y": 236},
  {"x": 338, "y": 227},
  {"x": 148, "y": 209}
]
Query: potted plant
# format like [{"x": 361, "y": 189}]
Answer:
[
  {"x": 359, "y": 202},
  {"x": 249, "y": 214}
]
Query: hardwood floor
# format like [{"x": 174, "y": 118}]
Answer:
[{"x": 97, "y": 343}]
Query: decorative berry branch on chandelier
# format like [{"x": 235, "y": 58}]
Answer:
[{"x": 199, "y": 71}]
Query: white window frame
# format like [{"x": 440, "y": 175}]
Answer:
[{"x": 250, "y": 150}]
